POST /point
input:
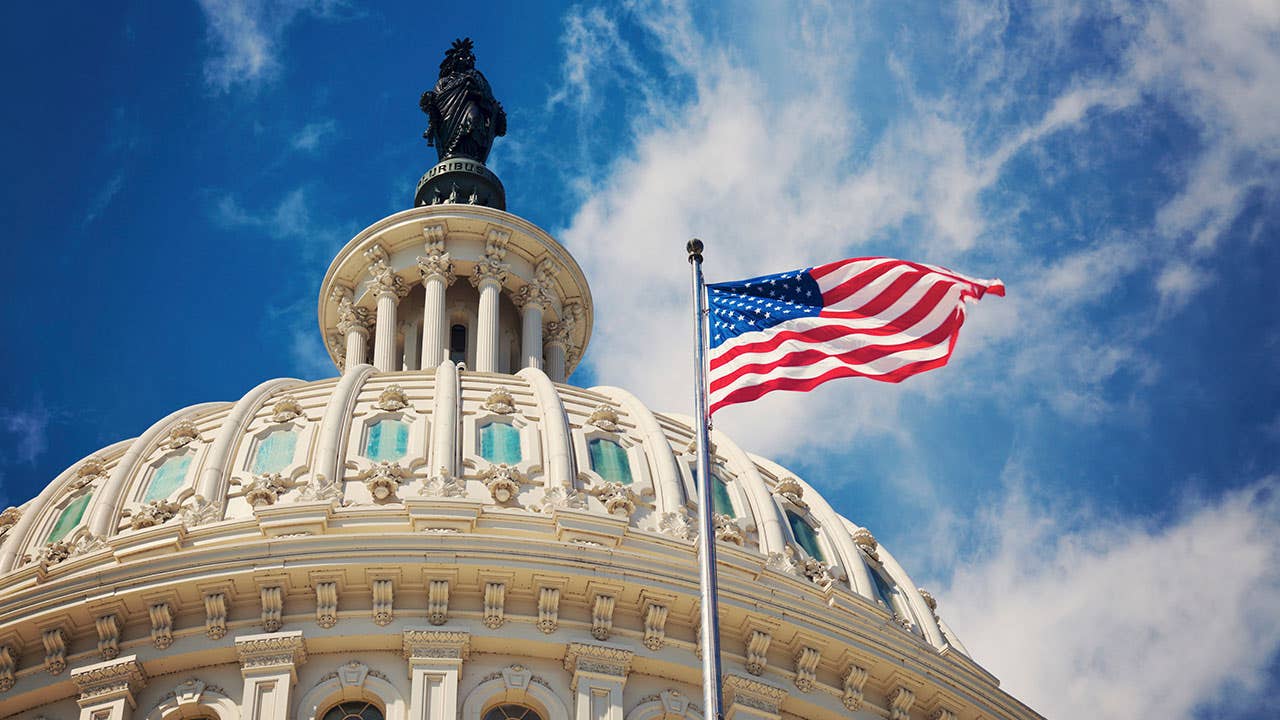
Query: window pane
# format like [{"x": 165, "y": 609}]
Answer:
[
  {"x": 805, "y": 536},
  {"x": 609, "y": 460},
  {"x": 388, "y": 440},
  {"x": 511, "y": 712},
  {"x": 883, "y": 589},
  {"x": 458, "y": 343},
  {"x": 168, "y": 477},
  {"x": 720, "y": 501},
  {"x": 357, "y": 710},
  {"x": 69, "y": 518},
  {"x": 500, "y": 443},
  {"x": 275, "y": 452}
]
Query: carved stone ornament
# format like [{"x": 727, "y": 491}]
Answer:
[
  {"x": 317, "y": 489},
  {"x": 816, "y": 571},
  {"x": 807, "y": 660},
  {"x": 197, "y": 511},
  {"x": 488, "y": 269},
  {"x": 286, "y": 409},
  {"x": 618, "y": 499},
  {"x": 900, "y": 702},
  {"x": 383, "y": 480},
  {"x": 436, "y": 263},
  {"x": 758, "y": 642},
  {"x": 559, "y": 497},
  {"x": 444, "y": 485},
  {"x": 727, "y": 529},
  {"x": 384, "y": 279},
  {"x": 655, "y": 626},
  {"x": 929, "y": 600},
  {"x": 327, "y": 604},
  {"x": 604, "y": 417},
  {"x": 854, "y": 680},
  {"x": 272, "y": 608},
  {"x": 548, "y": 610},
  {"x": 54, "y": 641},
  {"x": 503, "y": 482},
  {"x": 57, "y": 552},
  {"x": 266, "y": 489},
  {"x": 495, "y": 598},
  {"x": 183, "y": 433},
  {"x": 602, "y": 616},
  {"x": 383, "y": 602},
  {"x": 500, "y": 402},
  {"x": 392, "y": 399},
  {"x": 156, "y": 512},
  {"x": 436, "y": 644},
  {"x": 8, "y": 519},
  {"x": 601, "y": 659},
  {"x": 215, "y": 615},
  {"x": 783, "y": 562},
  {"x": 866, "y": 542},
  {"x": 109, "y": 678},
  {"x": 678, "y": 525},
  {"x": 161, "y": 625},
  {"x": 438, "y": 602},
  {"x": 108, "y": 628},
  {"x": 280, "y": 650},
  {"x": 789, "y": 489},
  {"x": 8, "y": 668},
  {"x": 91, "y": 469},
  {"x": 753, "y": 694}
]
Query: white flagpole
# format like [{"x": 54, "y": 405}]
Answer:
[{"x": 711, "y": 695}]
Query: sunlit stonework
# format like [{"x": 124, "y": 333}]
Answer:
[{"x": 449, "y": 529}]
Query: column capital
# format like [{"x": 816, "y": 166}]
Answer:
[
  {"x": 532, "y": 294},
  {"x": 490, "y": 268},
  {"x": 437, "y": 263},
  {"x": 583, "y": 659},
  {"x": 111, "y": 680},
  {"x": 385, "y": 279},
  {"x": 354, "y": 319},
  {"x": 422, "y": 644},
  {"x": 271, "y": 651}
]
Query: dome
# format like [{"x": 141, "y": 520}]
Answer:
[{"x": 448, "y": 529}]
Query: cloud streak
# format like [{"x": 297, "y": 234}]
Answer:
[{"x": 246, "y": 37}]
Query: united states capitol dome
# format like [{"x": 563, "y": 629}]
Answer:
[{"x": 450, "y": 529}]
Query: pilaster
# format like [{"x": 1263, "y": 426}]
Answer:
[
  {"x": 269, "y": 663},
  {"x": 435, "y": 663},
  {"x": 599, "y": 674},
  {"x": 107, "y": 688}
]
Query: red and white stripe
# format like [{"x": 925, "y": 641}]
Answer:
[{"x": 882, "y": 318}]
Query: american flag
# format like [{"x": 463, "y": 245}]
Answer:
[{"x": 873, "y": 317}]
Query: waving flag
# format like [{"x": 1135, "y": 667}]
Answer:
[{"x": 874, "y": 317}]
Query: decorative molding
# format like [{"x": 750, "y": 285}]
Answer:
[
  {"x": 183, "y": 433},
  {"x": 655, "y": 626},
  {"x": 89, "y": 471},
  {"x": 8, "y": 519},
  {"x": 436, "y": 645},
  {"x": 753, "y": 694},
  {"x": 438, "y": 602},
  {"x": 866, "y": 542},
  {"x": 503, "y": 482},
  {"x": 108, "y": 627},
  {"x": 285, "y": 409},
  {"x": 55, "y": 650},
  {"x": 197, "y": 511},
  {"x": 383, "y": 602},
  {"x": 215, "y": 615},
  {"x": 815, "y": 571},
  {"x": 727, "y": 529},
  {"x": 582, "y": 658},
  {"x": 855, "y": 679},
  {"x": 383, "y": 480},
  {"x": 266, "y": 489},
  {"x": 807, "y": 667},
  {"x": 942, "y": 714},
  {"x": 489, "y": 268},
  {"x": 790, "y": 491},
  {"x": 605, "y": 417},
  {"x": 602, "y": 616},
  {"x": 272, "y": 608},
  {"x": 548, "y": 609},
  {"x": 930, "y": 601},
  {"x": 156, "y": 512},
  {"x": 161, "y": 625},
  {"x": 900, "y": 701},
  {"x": 327, "y": 604},
  {"x": 500, "y": 401},
  {"x": 678, "y": 525},
  {"x": 559, "y": 497},
  {"x": 8, "y": 668},
  {"x": 122, "y": 676},
  {"x": 57, "y": 552},
  {"x": 392, "y": 399},
  {"x": 384, "y": 280},
  {"x": 442, "y": 484},
  {"x": 758, "y": 651},
  {"x": 619, "y": 500},
  {"x": 277, "y": 650},
  {"x": 437, "y": 262},
  {"x": 495, "y": 595}
]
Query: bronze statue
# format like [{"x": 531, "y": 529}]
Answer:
[{"x": 463, "y": 116}]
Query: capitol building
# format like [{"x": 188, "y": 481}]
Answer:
[{"x": 450, "y": 529}]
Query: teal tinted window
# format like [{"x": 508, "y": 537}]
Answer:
[
  {"x": 168, "y": 477},
  {"x": 805, "y": 535},
  {"x": 883, "y": 589},
  {"x": 275, "y": 452},
  {"x": 609, "y": 460},
  {"x": 388, "y": 440},
  {"x": 500, "y": 443},
  {"x": 720, "y": 501},
  {"x": 70, "y": 518}
]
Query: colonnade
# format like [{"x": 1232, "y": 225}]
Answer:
[{"x": 489, "y": 275}]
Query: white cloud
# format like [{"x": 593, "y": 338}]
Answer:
[
  {"x": 309, "y": 137},
  {"x": 246, "y": 36},
  {"x": 30, "y": 428},
  {"x": 1082, "y": 616},
  {"x": 102, "y": 199}
]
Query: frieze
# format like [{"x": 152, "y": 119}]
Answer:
[
  {"x": 269, "y": 651},
  {"x": 125, "y": 674},
  {"x": 436, "y": 644}
]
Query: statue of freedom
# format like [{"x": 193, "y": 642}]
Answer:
[{"x": 463, "y": 116}]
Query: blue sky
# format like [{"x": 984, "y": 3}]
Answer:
[{"x": 1090, "y": 487}]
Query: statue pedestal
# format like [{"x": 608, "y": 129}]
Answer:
[{"x": 462, "y": 181}]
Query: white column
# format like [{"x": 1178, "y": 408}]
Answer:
[
  {"x": 599, "y": 674},
  {"x": 530, "y": 301},
  {"x": 437, "y": 275},
  {"x": 488, "y": 278},
  {"x": 557, "y": 337},
  {"x": 388, "y": 288},
  {"x": 106, "y": 689},
  {"x": 269, "y": 663},
  {"x": 435, "y": 663},
  {"x": 353, "y": 323},
  {"x": 410, "y": 346}
]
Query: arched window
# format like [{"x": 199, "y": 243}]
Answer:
[
  {"x": 609, "y": 460},
  {"x": 884, "y": 589},
  {"x": 500, "y": 443},
  {"x": 353, "y": 710},
  {"x": 275, "y": 451},
  {"x": 720, "y": 500},
  {"x": 70, "y": 518},
  {"x": 168, "y": 477},
  {"x": 388, "y": 440},
  {"x": 458, "y": 343},
  {"x": 805, "y": 535},
  {"x": 509, "y": 711}
]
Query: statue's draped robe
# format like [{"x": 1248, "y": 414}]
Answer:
[{"x": 466, "y": 116}]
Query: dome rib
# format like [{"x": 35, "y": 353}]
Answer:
[
  {"x": 213, "y": 482},
  {"x": 918, "y": 605},
  {"x": 767, "y": 514},
  {"x": 555, "y": 429},
  {"x": 444, "y": 421},
  {"x": 109, "y": 500},
  {"x": 334, "y": 425},
  {"x": 669, "y": 490}
]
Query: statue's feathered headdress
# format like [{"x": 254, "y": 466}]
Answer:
[{"x": 462, "y": 50}]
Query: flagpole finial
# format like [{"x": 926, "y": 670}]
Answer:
[{"x": 694, "y": 248}]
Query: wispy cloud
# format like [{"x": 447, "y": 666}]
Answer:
[
  {"x": 309, "y": 137},
  {"x": 29, "y": 430},
  {"x": 102, "y": 199},
  {"x": 246, "y": 36},
  {"x": 1088, "y": 616}
]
